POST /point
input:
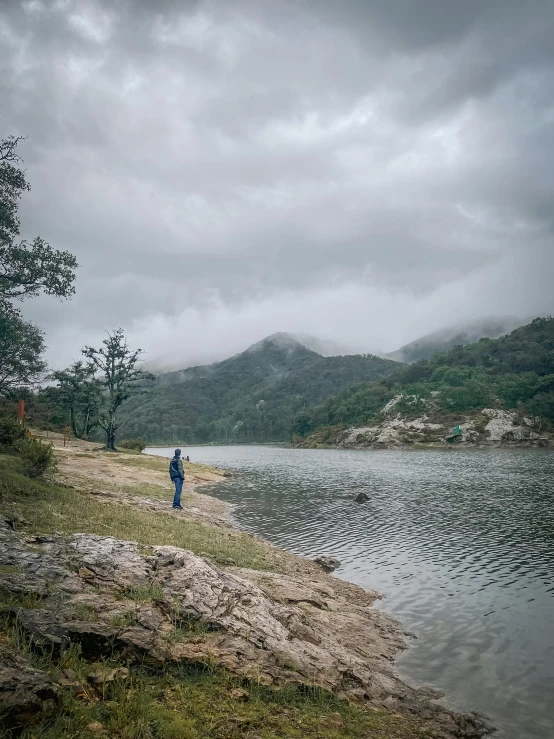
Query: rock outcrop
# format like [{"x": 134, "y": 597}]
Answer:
[
  {"x": 274, "y": 628},
  {"x": 485, "y": 428}
]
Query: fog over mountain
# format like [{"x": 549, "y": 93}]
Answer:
[
  {"x": 451, "y": 336},
  {"x": 366, "y": 173},
  {"x": 324, "y": 347}
]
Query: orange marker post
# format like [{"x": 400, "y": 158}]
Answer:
[{"x": 21, "y": 412}]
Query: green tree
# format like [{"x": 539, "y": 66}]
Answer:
[
  {"x": 80, "y": 393},
  {"x": 301, "y": 424},
  {"x": 26, "y": 269},
  {"x": 12, "y": 186},
  {"x": 116, "y": 366},
  {"x": 21, "y": 350}
]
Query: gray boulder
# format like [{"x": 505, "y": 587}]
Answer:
[{"x": 329, "y": 564}]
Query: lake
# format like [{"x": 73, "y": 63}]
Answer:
[{"x": 461, "y": 543}]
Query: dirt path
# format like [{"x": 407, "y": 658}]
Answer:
[{"x": 128, "y": 478}]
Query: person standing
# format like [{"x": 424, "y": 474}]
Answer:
[{"x": 177, "y": 474}]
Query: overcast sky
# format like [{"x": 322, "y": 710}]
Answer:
[{"x": 364, "y": 171}]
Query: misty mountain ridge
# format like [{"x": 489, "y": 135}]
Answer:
[
  {"x": 325, "y": 347},
  {"x": 288, "y": 342},
  {"x": 252, "y": 396},
  {"x": 422, "y": 347},
  {"x": 447, "y": 338},
  {"x": 273, "y": 357}
]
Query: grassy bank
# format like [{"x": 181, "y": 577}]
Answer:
[
  {"x": 47, "y": 508},
  {"x": 186, "y": 701}
]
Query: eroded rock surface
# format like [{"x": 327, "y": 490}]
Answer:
[
  {"x": 26, "y": 694},
  {"x": 275, "y": 628}
]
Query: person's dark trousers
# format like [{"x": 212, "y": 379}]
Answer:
[{"x": 178, "y": 487}]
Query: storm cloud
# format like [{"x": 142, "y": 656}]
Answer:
[{"x": 362, "y": 171}]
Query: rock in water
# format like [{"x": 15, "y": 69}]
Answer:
[
  {"x": 361, "y": 498},
  {"x": 328, "y": 563}
]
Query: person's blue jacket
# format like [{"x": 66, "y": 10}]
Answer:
[{"x": 176, "y": 467}]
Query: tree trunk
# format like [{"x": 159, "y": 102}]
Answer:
[
  {"x": 111, "y": 426},
  {"x": 110, "y": 442},
  {"x": 85, "y": 431},
  {"x": 73, "y": 422}
]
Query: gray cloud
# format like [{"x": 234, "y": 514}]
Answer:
[{"x": 224, "y": 170}]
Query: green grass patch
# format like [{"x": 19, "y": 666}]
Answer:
[
  {"x": 198, "y": 701},
  {"x": 49, "y": 508},
  {"x": 124, "y": 620},
  {"x": 9, "y": 599},
  {"x": 11, "y": 570},
  {"x": 187, "y": 627},
  {"x": 156, "y": 492},
  {"x": 143, "y": 593},
  {"x": 86, "y": 612},
  {"x": 185, "y": 632}
]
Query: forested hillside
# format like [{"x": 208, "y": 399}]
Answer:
[
  {"x": 513, "y": 372},
  {"x": 258, "y": 395}
]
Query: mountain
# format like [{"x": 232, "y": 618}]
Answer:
[
  {"x": 511, "y": 377},
  {"x": 325, "y": 347},
  {"x": 460, "y": 334},
  {"x": 253, "y": 396}
]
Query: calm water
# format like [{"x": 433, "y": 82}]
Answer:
[{"x": 461, "y": 543}]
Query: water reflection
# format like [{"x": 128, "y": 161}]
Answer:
[{"x": 461, "y": 543}]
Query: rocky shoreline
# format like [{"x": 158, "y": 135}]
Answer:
[
  {"x": 487, "y": 428},
  {"x": 285, "y": 622}
]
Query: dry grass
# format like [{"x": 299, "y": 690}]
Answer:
[
  {"x": 161, "y": 464},
  {"x": 156, "y": 492},
  {"x": 143, "y": 461}
]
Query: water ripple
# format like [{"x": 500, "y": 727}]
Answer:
[{"x": 461, "y": 543}]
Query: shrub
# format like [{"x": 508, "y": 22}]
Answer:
[
  {"x": 137, "y": 444},
  {"x": 10, "y": 432},
  {"x": 36, "y": 456}
]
